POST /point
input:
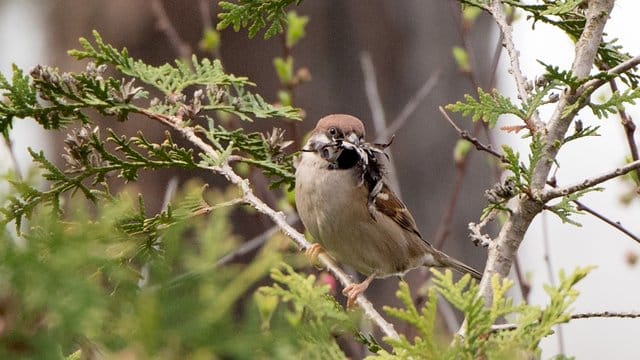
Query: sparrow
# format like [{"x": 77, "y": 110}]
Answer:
[{"x": 346, "y": 205}]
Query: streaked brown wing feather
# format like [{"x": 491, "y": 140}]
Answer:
[{"x": 388, "y": 203}]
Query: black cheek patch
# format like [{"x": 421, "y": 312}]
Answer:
[{"x": 347, "y": 159}]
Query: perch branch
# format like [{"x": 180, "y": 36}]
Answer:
[{"x": 277, "y": 217}]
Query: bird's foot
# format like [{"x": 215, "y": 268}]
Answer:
[
  {"x": 352, "y": 291},
  {"x": 313, "y": 252}
]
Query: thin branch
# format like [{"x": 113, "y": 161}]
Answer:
[
  {"x": 497, "y": 11},
  {"x": 617, "y": 70},
  {"x": 254, "y": 243},
  {"x": 12, "y": 157},
  {"x": 615, "y": 224},
  {"x": 629, "y": 127},
  {"x": 585, "y": 184},
  {"x": 578, "y": 316},
  {"x": 465, "y": 135},
  {"x": 377, "y": 113},
  {"x": 410, "y": 107},
  {"x": 164, "y": 24},
  {"x": 276, "y": 216}
]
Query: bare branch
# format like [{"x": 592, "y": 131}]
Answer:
[
  {"x": 585, "y": 184},
  {"x": 12, "y": 157},
  {"x": 377, "y": 114},
  {"x": 587, "y": 315},
  {"x": 497, "y": 11},
  {"x": 465, "y": 135},
  {"x": 622, "y": 67},
  {"x": 629, "y": 127},
  {"x": 581, "y": 206},
  {"x": 277, "y": 217},
  {"x": 409, "y": 107},
  {"x": 164, "y": 24}
]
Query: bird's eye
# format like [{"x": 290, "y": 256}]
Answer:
[{"x": 333, "y": 131}]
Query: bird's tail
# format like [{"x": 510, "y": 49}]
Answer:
[{"x": 460, "y": 267}]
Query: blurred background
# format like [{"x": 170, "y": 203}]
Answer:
[{"x": 406, "y": 48}]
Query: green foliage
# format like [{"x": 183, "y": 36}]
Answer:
[
  {"x": 255, "y": 15},
  {"x": 17, "y": 98},
  {"x": 312, "y": 312},
  {"x": 295, "y": 28},
  {"x": 222, "y": 91},
  {"x": 462, "y": 59},
  {"x": 615, "y": 102},
  {"x": 263, "y": 151},
  {"x": 426, "y": 344},
  {"x": 488, "y": 107},
  {"x": 87, "y": 165},
  {"x": 532, "y": 323},
  {"x": 94, "y": 282}
]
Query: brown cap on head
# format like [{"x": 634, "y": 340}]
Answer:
[{"x": 344, "y": 123}]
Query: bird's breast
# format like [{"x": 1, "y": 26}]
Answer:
[{"x": 332, "y": 204}]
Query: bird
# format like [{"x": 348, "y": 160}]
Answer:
[{"x": 345, "y": 203}]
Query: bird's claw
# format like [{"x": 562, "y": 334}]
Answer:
[
  {"x": 352, "y": 292},
  {"x": 313, "y": 252}
]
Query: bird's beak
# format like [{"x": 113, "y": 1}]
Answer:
[{"x": 353, "y": 139}]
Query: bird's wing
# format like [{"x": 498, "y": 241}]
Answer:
[{"x": 388, "y": 204}]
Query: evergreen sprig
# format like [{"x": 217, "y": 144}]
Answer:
[
  {"x": 488, "y": 107},
  {"x": 255, "y": 15},
  {"x": 316, "y": 315},
  {"x": 532, "y": 323}
]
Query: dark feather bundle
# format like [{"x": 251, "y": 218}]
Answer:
[{"x": 366, "y": 158}]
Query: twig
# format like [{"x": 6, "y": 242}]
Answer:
[
  {"x": 578, "y": 316},
  {"x": 615, "y": 224},
  {"x": 585, "y": 184},
  {"x": 617, "y": 70},
  {"x": 254, "y": 243},
  {"x": 410, "y": 107},
  {"x": 465, "y": 135},
  {"x": 12, "y": 157},
  {"x": 497, "y": 11},
  {"x": 377, "y": 114},
  {"x": 205, "y": 11},
  {"x": 277, "y": 217},
  {"x": 164, "y": 24},
  {"x": 629, "y": 127}
]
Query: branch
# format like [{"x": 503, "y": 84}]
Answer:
[
  {"x": 254, "y": 243},
  {"x": 622, "y": 67},
  {"x": 629, "y": 127},
  {"x": 582, "y": 207},
  {"x": 503, "y": 250},
  {"x": 497, "y": 11},
  {"x": 585, "y": 184},
  {"x": 409, "y": 107},
  {"x": 164, "y": 24},
  {"x": 277, "y": 217},
  {"x": 587, "y": 315},
  {"x": 465, "y": 135},
  {"x": 377, "y": 114}
]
